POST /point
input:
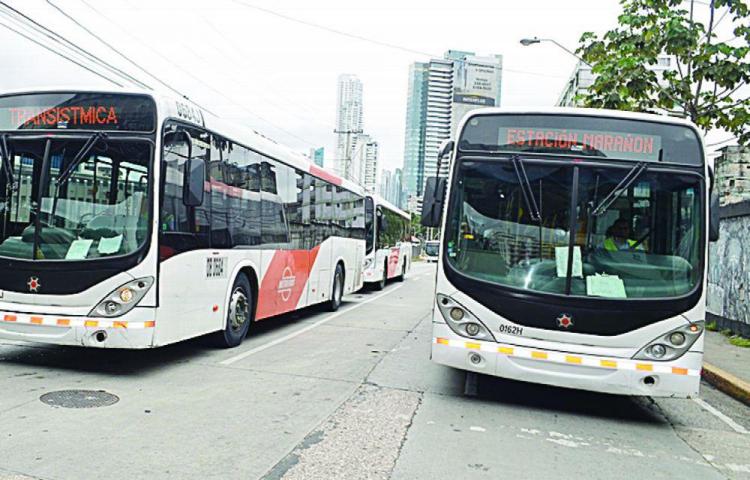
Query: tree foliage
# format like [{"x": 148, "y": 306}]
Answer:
[{"x": 706, "y": 85}]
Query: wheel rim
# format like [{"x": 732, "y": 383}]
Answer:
[{"x": 238, "y": 309}]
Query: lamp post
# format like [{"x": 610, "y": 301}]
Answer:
[{"x": 531, "y": 41}]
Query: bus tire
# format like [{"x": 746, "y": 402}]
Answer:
[
  {"x": 239, "y": 314},
  {"x": 379, "y": 285},
  {"x": 337, "y": 290},
  {"x": 400, "y": 278}
]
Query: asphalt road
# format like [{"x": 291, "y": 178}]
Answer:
[{"x": 346, "y": 395}]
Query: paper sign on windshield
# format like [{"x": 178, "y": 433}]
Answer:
[
  {"x": 561, "y": 261},
  {"x": 78, "y": 250},
  {"x": 108, "y": 246},
  {"x": 610, "y": 286}
]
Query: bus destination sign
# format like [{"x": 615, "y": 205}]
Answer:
[
  {"x": 632, "y": 146},
  {"x": 77, "y": 111}
]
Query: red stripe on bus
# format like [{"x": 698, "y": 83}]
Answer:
[
  {"x": 393, "y": 258},
  {"x": 285, "y": 281},
  {"x": 327, "y": 176}
]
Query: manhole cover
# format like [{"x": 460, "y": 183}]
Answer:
[{"x": 79, "y": 398}]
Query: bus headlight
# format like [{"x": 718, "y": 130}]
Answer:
[
  {"x": 123, "y": 299},
  {"x": 672, "y": 344},
  {"x": 462, "y": 321}
]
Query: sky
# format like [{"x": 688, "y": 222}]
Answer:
[{"x": 260, "y": 63}]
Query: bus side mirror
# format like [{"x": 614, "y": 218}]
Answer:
[
  {"x": 432, "y": 205},
  {"x": 713, "y": 217},
  {"x": 195, "y": 176},
  {"x": 446, "y": 148}
]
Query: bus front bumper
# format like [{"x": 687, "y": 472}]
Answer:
[
  {"x": 679, "y": 378},
  {"x": 135, "y": 329}
]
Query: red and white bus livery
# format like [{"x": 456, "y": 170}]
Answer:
[
  {"x": 388, "y": 242},
  {"x": 160, "y": 224}
]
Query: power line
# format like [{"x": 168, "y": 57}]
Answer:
[
  {"x": 59, "y": 53},
  {"x": 57, "y": 38},
  {"x": 118, "y": 52},
  {"x": 367, "y": 39},
  {"x": 191, "y": 75}
]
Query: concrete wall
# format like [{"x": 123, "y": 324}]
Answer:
[{"x": 728, "y": 296}]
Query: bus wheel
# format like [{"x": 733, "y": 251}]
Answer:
[
  {"x": 239, "y": 314},
  {"x": 381, "y": 284},
  {"x": 337, "y": 291},
  {"x": 400, "y": 278}
]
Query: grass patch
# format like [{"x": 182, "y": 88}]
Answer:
[
  {"x": 738, "y": 341},
  {"x": 727, "y": 332},
  {"x": 711, "y": 326}
]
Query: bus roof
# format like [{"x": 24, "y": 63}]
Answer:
[
  {"x": 167, "y": 107},
  {"x": 378, "y": 200}
]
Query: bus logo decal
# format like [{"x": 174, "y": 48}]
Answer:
[
  {"x": 34, "y": 284},
  {"x": 565, "y": 320},
  {"x": 286, "y": 283}
]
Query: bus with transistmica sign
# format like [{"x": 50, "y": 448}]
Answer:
[
  {"x": 574, "y": 249},
  {"x": 130, "y": 219}
]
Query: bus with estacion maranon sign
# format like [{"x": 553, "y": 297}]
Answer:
[
  {"x": 574, "y": 249},
  {"x": 131, "y": 220},
  {"x": 387, "y": 242}
]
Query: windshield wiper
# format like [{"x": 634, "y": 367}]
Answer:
[
  {"x": 624, "y": 184},
  {"x": 528, "y": 195},
  {"x": 90, "y": 143},
  {"x": 6, "y": 162}
]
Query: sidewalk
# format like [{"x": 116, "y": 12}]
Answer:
[{"x": 727, "y": 367}]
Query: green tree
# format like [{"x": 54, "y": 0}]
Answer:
[{"x": 706, "y": 84}]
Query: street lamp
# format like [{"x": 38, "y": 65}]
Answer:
[{"x": 531, "y": 41}]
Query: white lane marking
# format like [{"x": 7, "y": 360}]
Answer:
[
  {"x": 320, "y": 322},
  {"x": 732, "y": 424}
]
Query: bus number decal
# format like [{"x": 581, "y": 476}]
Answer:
[
  {"x": 511, "y": 329},
  {"x": 216, "y": 267},
  {"x": 190, "y": 113}
]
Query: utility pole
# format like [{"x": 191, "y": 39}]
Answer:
[{"x": 348, "y": 159}]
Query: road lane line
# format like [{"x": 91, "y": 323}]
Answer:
[
  {"x": 732, "y": 424},
  {"x": 320, "y": 322}
]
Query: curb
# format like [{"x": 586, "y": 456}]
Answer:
[{"x": 727, "y": 383}]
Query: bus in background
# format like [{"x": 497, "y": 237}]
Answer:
[
  {"x": 574, "y": 249},
  {"x": 130, "y": 220},
  {"x": 431, "y": 249},
  {"x": 387, "y": 242}
]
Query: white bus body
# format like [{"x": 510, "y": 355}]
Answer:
[
  {"x": 388, "y": 242},
  {"x": 431, "y": 250},
  {"x": 519, "y": 297},
  {"x": 142, "y": 267}
]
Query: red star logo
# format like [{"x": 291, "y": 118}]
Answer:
[
  {"x": 564, "y": 320},
  {"x": 34, "y": 284}
]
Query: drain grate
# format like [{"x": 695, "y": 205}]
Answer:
[{"x": 79, "y": 398}]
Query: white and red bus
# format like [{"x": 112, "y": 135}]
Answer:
[
  {"x": 388, "y": 242},
  {"x": 574, "y": 249},
  {"x": 131, "y": 220}
]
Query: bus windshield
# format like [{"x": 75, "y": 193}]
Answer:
[
  {"x": 636, "y": 234},
  {"x": 53, "y": 207}
]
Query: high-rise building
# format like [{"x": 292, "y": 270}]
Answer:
[
  {"x": 348, "y": 123},
  {"x": 390, "y": 186},
  {"x": 365, "y": 162},
  {"x": 317, "y": 155},
  {"x": 416, "y": 111},
  {"x": 582, "y": 78},
  {"x": 441, "y": 92}
]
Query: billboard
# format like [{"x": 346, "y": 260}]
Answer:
[{"x": 476, "y": 83}]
